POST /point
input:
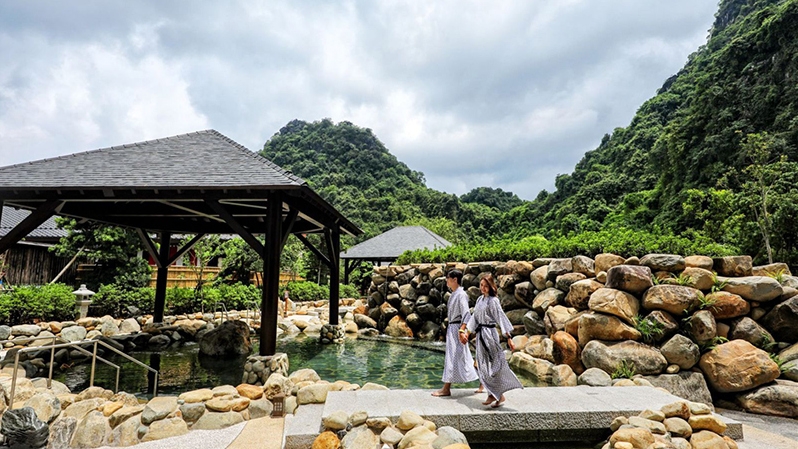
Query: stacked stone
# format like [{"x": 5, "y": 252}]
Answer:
[
  {"x": 680, "y": 425},
  {"x": 258, "y": 369},
  {"x": 665, "y": 315},
  {"x": 358, "y": 430},
  {"x": 332, "y": 333}
]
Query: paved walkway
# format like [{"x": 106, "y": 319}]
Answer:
[{"x": 765, "y": 432}]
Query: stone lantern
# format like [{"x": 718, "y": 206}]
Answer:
[{"x": 83, "y": 300}]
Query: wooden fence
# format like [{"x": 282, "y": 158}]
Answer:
[{"x": 36, "y": 265}]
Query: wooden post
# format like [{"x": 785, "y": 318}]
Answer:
[
  {"x": 160, "y": 281},
  {"x": 334, "y": 246},
  {"x": 271, "y": 274}
]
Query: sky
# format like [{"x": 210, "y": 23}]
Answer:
[{"x": 505, "y": 94}]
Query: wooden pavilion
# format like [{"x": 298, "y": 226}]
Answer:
[{"x": 198, "y": 183}]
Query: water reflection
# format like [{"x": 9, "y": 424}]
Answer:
[{"x": 395, "y": 365}]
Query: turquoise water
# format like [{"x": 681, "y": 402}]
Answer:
[{"x": 398, "y": 364}]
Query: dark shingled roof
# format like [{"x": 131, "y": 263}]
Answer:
[
  {"x": 389, "y": 245},
  {"x": 206, "y": 159},
  {"x": 47, "y": 230}
]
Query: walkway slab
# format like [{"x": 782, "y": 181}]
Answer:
[{"x": 528, "y": 415}]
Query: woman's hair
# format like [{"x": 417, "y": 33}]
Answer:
[{"x": 491, "y": 284}]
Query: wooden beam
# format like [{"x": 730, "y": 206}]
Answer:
[
  {"x": 149, "y": 245},
  {"x": 190, "y": 244},
  {"x": 271, "y": 275},
  {"x": 233, "y": 223},
  {"x": 160, "y": 281},
  {"x": 333, "y": 237},
  {"x": 31, "y": 222},
  {"x": 313, "y": 249},
  {"x": 288, "y": 224}
]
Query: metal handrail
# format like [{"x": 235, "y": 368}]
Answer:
[
  {"x": 256, "y": 309},
  {"x": 79, "y": 346},
  {"x": 225, "y": 315},
  {"x": 52, "y": 355}
]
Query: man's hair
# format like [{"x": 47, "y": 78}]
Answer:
[{"x": 455, "y": 274}]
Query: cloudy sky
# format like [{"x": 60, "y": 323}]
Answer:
[{"x": 472, "y": 93}]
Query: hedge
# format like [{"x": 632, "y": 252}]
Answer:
[{"x": 24, "y": 304}]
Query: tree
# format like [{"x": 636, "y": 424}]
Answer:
[{"x": 113, "y": 250}]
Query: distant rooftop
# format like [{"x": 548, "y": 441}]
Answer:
[
  {"x": 390, "y": 244},
  {"x": 47, "y": 230}
]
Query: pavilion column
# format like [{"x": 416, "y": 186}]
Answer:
[
  {"x": 334, "y": 246},
  {"x": 163, "y": 273},
  {"x": 271, "y": 274}
]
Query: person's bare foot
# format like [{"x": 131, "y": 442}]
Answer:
[
  {"x": 489, "y": 400},
  {"x": 480, "y": 390},
  {"x": 441, "y": 393},
  {"x": 498, "y": 403}
]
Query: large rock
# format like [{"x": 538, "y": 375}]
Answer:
[
  {"x": 533, "y": 323},
  {"x": 584, "y": 265},
  {"x": 663, "y": 262},
  {"x": 313, "y": 394},
  {"x": 364, "y": 322},
  {"x": 158, "y": 408},
  {"x": 782, "y": 320},
  {"x": 360, "y": 437},
  {"x": 25, "y": 330},
  {"x": 547, "y": 298},
  {"x": 773, "y": 269},
  {"x": 702, "y": 326},
  {"x": 605, "y": 261},
  {"x": 779, "y": 399},
  {"x": 564, "y": 282},
  {"x": 92, "y": 431},
  {"x": 595, "y": 377},
  {"x": 580, "y": 291},
  {"x": 538, "y": 277},
  {"x": 727, "y": 305},
  {"x": 634, "y": 279},
  {"x": 166, "y": 428},
  {"x": 215, "y": 421},
  {"x": 598, "y": 326},
  {"x": 736, "y": 266},
  {"x": 45, "y": 404},
  {"x": 702, "y": 262},
  {"x": 448, "y": 436},
  {"x": 525, "y": 293},
  {"x": 615, "y": 302},
  {"x": 556, "y": 317},
  {"x": 673, "y": 299},
  {"x": 543, "y": 372},
  {"x": 398, "y": 328},
  {"x": 566, "y": 351},
  {"x": 73, "y": 333},
  {"x": 686, "y": 384},
  {"x": 753, "y": 288},
  {"x": 737, "y": 366},
  {"x": 231, "y": 339},
  {"x": 749, "y": 330},
  {"x": 558, "y": 267},
  {"x": 680, "y": 350},
  {"x": 61, "y": 432},
  {"x": 698, "y": 278},
  {"x": 609, "y": 355}
]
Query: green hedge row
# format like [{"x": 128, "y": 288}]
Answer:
[
  {"x": 621, "y": 241},
  {"x": 24, "y": 304}
]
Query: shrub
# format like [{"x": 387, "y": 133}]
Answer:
[
  {"x": 306, "y": 291},
  {"x": 112, "y": 299},
  {"x": 348, "y": 291},
  {"x": 48, "y": 302}
]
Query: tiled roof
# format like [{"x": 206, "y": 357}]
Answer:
[
  {"x": 12, "y": 217},
  {"x": 204, "y": 159},
  {"x": 390, "y": 244}
]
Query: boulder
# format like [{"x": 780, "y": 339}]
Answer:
[
  {"x": 556, "y": 317},
  {"x": 566, "y": 351},
  {"x": 707, "y": 440},
  {"x": 73, "y": 333},
  {"x": 598, "y": 326},
  {"x": 749, "y": 330},
  {"x": 629, "y": 278},
  {"x": 615, "y": 302},
  {"x": 215, "y": 421},
  {"x": 166, "y": 428},
  {"x": 231, "y": 339},
  {"x": 595, "y": 377},
  {"x": 727, "y": 305},
  {"x": 680, "y": 350},
  {"x": 564, "y": 282},
  {"x": 25, "y": 330},
  {"x": 698, "y": 278},
  {"x": 558, "y": 267},
  {"x": 773, "y": 269},
  {"x": 158, "y": 408},
  {"x": 753, "y": 288},
  {"x": 540, "y": 347},
  {"x": 538, "y": 277},
  {"x": 737, "y": 366},
  {"x": 637, "y": 437},
  {"x": 448, "y": 436},
  {"x": 326, "y": 440},
  {"x": 61, "y": 432},
  {"x": 663, "y": 262},
  {"x": 666, "y": 324},
  {"x": 609, "y": 355},
  {"x": 702, "y": 262},
  {"x": 46, "y": 405},
  {"x": 533, "y": 323},
  {"x": 674, "y": 299},
  {"x": 398, "y": 328},
  {"x": 779, "y": 399},
  {"x": 313, "y": 394},
  {"x": 782, "y": 320},
  {"x": 123, "y": 414},
  {"x": 701, "y": 326},
  {"x": 584, "y": 265},
  {"x": 543, "y": 372},
  {"x": 605, "y": 261},
  {"x": 579, "y": 293},
  {"x": 92, "y": 430},
  {"x": 525, "y": 293},
  {"x": 689, "y": 385},
  {"x": 547, "y": 298},
  {"x": 736, "y": 266}
]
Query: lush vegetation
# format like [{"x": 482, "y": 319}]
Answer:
[{"x": 25, "y": 304}]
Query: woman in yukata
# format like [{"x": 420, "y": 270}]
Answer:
[{"x": 494, "y": 372}]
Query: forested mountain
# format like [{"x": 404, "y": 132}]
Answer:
[
  {"x": 711, "y": 157},
  {"x": 350, "y": 167},
  {"x": 712, "y": 152}
]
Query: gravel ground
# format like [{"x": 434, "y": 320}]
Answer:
[{"x": 195, "y": 439}]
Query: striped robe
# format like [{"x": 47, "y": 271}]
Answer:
[
  {"x": 459, "y": 365},
  {"x": 494, "y": 372}
]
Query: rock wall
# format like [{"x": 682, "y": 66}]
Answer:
[{"x": 654, "y": 315}]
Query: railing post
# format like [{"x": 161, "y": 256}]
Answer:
[
  {"x": 93, "y": 364},
  {"x": 52, "y": 360},
  {"x": 14, "y": 380}
]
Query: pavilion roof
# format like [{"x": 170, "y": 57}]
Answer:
[{"x": 390, "y": 244}]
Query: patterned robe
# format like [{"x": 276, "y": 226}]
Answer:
[
  {"x": 494, "y": 372},
  {"x": 459, "y": 365}
]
